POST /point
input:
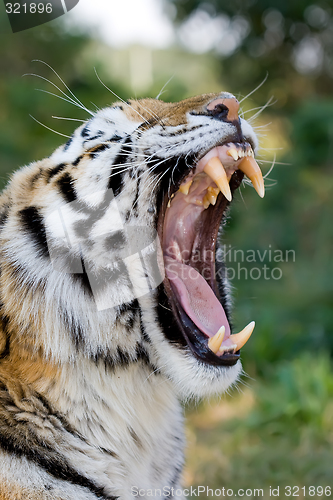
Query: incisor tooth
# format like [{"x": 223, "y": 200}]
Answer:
[
  {"x": 212, "y": 194},
  {"x": 242, "y": 337},
  {"x": 225, "y": 348},
  {"x": 184, "y": 188},
  {"x": 233, "y": 152},
  {"x": 215, "y": 170},
  {"x": 214, "y": 191},
  {"x": 251, "y": 168},
  {"x": 214, "y": 343},
  {"x": 206, "y": 201}
]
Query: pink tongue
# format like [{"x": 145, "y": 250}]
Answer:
[{"x": 196, "y": 297}]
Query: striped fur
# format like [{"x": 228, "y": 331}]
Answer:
[{"x": 90, "y": 374}]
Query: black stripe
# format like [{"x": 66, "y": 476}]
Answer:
[
  {"x": 75, "y": 329},
  {"x": 116, "y": 138},
  {"x": 167, "y": 319},
  {"x": 84, "y": 280},
  {"x": 4, "y": 215},
  {"x": 6, "y": 352},
  {"x": 4, "y": 320},
  {"x": 116, "y": 177},
  {"x": 144, "y": 334},
  {"x": 33, "y": 224},
  {"x": 97, "y": 136},
  {"x": 56, "y": 466},
  {"x": 142, "y": 354},
  {"x": 98, "y": 149},
  {"x": 54, "y": 171},
  {"x": 77, "y": 161},
  {"x": 85, "y": 131},
  {"x": 35, "y": 177},
  {"x": 116, "y": 182},
  {"x": 68, "y": 143},
  {"x": 65, "y": 184},
  {"x": 127, "y": 313},
  {"x": 136, "y": 198}
]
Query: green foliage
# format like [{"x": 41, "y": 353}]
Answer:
[
  {"x": 286, "y": 439},
  {"x": 275, "y": 32},
  {"x": 297, "y": 395}
]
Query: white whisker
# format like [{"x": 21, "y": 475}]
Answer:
[
  {"x": 69, "y": 119},
  {"x": 162, "y": 89},
  {"x": 122, "y": 100},
  {"x": 269, "y": 103},
  {"x": 45, "y": 126},
  {"x": 253, "y": 91},
  {"x": 64, "y": 84}
]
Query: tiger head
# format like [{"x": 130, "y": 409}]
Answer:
[
  {"x": 137, "y": 198},
  {"x": 189, "y": 158}
]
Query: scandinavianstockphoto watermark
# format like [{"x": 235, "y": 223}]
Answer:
[
  {"x": 120, "y": 261},
  {"x": 25, "y": 14},
  {"x": 232, "y": 263},
  {"x": 253, "y": 264}
]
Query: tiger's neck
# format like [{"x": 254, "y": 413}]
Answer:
[{"x": 127, "y": 411}]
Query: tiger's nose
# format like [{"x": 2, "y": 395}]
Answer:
[{"x": 224, "y": 109}]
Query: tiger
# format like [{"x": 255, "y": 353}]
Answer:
[{"x": 115, "y": 303}]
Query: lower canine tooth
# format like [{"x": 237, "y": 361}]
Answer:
[
  {"x": 251, "y": 168},
  {"x": 242, "y": 337},
  {"x": 214, "y": 343},
  {"x": 215, "y": 170}
]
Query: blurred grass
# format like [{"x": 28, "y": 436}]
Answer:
[{"x": 277, "y": 432}]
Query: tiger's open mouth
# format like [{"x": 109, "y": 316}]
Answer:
[{"x": 191, "y": 217}]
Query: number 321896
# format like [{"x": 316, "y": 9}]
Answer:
[{"x": 32, "y": 8}]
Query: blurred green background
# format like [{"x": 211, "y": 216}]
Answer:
[{"x": 277, "y": 429}]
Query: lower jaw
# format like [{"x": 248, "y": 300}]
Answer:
[{"x": 198, "y": 344}]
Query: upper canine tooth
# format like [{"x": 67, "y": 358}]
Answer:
[
  {"x": 214, "y": 343},
  {"x": 215, "y": 170},
  {"x": 251, "y": 168},
  {"x": 184, "y": 188},
  {"x": 242, "y": 337},
  {"x": 233, "y": 152}
]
